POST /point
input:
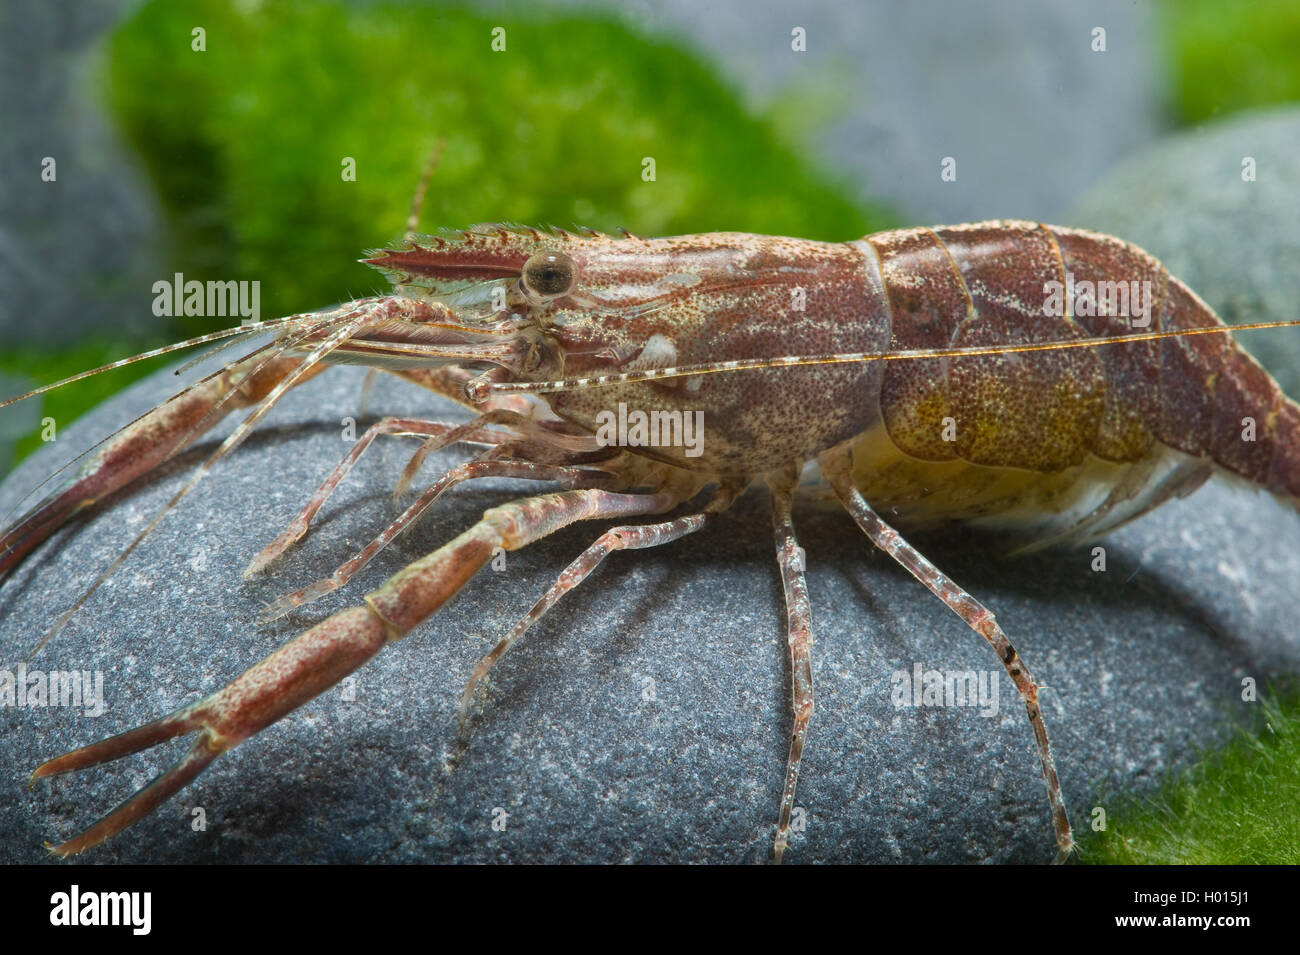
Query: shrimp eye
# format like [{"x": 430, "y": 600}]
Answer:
[{"x": 549, "y": 274}]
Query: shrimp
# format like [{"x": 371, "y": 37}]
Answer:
[{"x": 1042, "y": 383}]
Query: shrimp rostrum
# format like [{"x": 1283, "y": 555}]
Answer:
[{"x": 1042, "y": 382}]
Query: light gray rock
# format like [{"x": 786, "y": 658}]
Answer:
[
  {"x": 1014, "y": 92},
  {"x": 79, "y": 254},
  {"x": 1234, "y": 241},
  {"x": 647, "y": 718}
]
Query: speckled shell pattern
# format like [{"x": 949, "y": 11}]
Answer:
[
  {"x": 984, "y": 284},
  {"x": 740, "y": 296}
]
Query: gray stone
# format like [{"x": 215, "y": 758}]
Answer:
[
  {"x": 1144, "y": 664},
  {"x": 884, "y": 91},
  {"x": 78, "y": 255},
  {"x": 1234, "y": 242}
]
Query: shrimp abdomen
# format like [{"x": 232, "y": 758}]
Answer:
[{"x": 1069, "y": 439}]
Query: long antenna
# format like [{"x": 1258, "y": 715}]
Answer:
[
  {"x": 479, "y": 390},
  {"x": 164, "y": 350}
]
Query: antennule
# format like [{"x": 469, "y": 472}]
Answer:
[{"x": 153, "y": 353}]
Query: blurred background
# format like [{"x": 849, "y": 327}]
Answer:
[{"x": 218, "y": 153}]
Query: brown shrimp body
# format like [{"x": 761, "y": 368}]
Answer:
[
  {"x": 652, "y": 303},
  {"x": 1042, "y": 444}
]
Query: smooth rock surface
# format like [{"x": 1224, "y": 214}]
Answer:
[
  {"x": 647, "y": 718},
  {"x": 1234, "y": 242}
]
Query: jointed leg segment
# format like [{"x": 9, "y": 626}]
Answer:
[
  {"x": 298, "y": 526},
  {"x": 789, "y": 556},
  {"x": 571, "y": 478},
  {"x": 631, "y": 537},
  {"x": 976, "y": 615},
  {"x": 439, "y": 435}
]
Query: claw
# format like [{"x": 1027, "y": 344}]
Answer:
[
  {"x": 322, "y": 656},
  {"x": 205, "y": 749},
  {"x": 264, "y": 693}
]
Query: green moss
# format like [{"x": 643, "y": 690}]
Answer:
[
  {"x": 1228, "y": 57},
  {"x": 1238, "y": 805}
]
